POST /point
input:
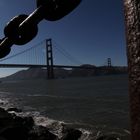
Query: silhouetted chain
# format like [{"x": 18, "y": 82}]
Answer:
[{"x": 23, "y": 28}]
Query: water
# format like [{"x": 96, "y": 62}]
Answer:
[{"x": 96, "y": 104}]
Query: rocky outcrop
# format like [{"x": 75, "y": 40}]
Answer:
[
  {"x": 13, "y": 127},
  {"x": 71, "y": 134},
  {"x": 108, "y": 137},
  {"x": 41, "y": 133}
]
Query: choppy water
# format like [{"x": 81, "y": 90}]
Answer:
[{"x": 97, "y": 104}]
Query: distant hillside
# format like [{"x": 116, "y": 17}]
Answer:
[
  {"x": 27, "y": 74},
  {"x": 84, "y": 71},
  {"x": 35, "y": 73},
  {"x": 91, "y": 70}
]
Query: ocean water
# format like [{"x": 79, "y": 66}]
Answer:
[{"x": 95, "y": 105}]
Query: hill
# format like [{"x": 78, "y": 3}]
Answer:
[{"x": 83, "y": 71}]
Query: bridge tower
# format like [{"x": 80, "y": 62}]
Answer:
[
  {"x": 109, "y": 62},
  {"x": 49, "y": 58}
]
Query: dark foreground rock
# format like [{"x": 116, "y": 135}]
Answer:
[
  {"x": 41, "y": 133},
  {"x": 71, "y": 134},
  {"x": 109, "y": 137},
  {"x": 13, "y": 127}
]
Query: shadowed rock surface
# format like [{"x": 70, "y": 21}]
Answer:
[{"x": 13, "y": 127}]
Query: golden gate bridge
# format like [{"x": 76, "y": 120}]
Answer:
[{"x": 41, "y": 56}]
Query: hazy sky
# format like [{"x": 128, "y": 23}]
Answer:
[{"x": 93, "y": 32}]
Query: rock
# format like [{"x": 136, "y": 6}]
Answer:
[
  {"x": 2, "y": 138},
  {"x": 41, "y": 133},
  {"x": 71, "y": 134},
  {"x": 3, "y": 113},
  {"x": 13, "y": 127},
  {"x": 23, "y": 121},
  {"x": 14, "y": 133},
  {"x": 14, "y": 109},
  {"x": 108, "y": 137},
  {"x": 5, "y": 118},
  {"x": 1, "y": 103}
]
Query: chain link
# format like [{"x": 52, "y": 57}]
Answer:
[{"x": 22, "y": 29}]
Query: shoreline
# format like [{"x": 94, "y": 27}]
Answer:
[
  {"x": 24, "y": 128},
  {"x": 40, "y": 94},
  {"x": 27, "y": 126}
]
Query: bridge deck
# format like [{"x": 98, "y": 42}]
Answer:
[{"x": 40, "y": 66}]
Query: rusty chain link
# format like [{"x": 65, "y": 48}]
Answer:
[{"x": 23, "y": 28}]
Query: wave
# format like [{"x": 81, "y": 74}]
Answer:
[
  {"x": 4, "y": 101},
  {"x": 51, "y": 96},
  {"x": 56, "y": 126},
  {"x": 39, "y": 95}
]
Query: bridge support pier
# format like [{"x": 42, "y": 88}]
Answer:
[{"x": 49, "y": 55}]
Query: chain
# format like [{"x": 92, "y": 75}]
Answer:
[{"x": 23, "y": 28}]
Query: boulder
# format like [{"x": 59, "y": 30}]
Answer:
[
  {"x": 1, "y": 138},
  {"x": 5, "y": 118},
  {"x": 71, "y": 134},
  {"x": 108, "y": 137},
  {"x": 14, "y": 133},
  {"x": 14, "y": 127},
  {"x": 41, "y": 133},
  {"x": 27, "y": 122}
]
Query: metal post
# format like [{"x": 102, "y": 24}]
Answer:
[
  {"x": 50, "y": 71},
  {"x": 132, "y": 20}
]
